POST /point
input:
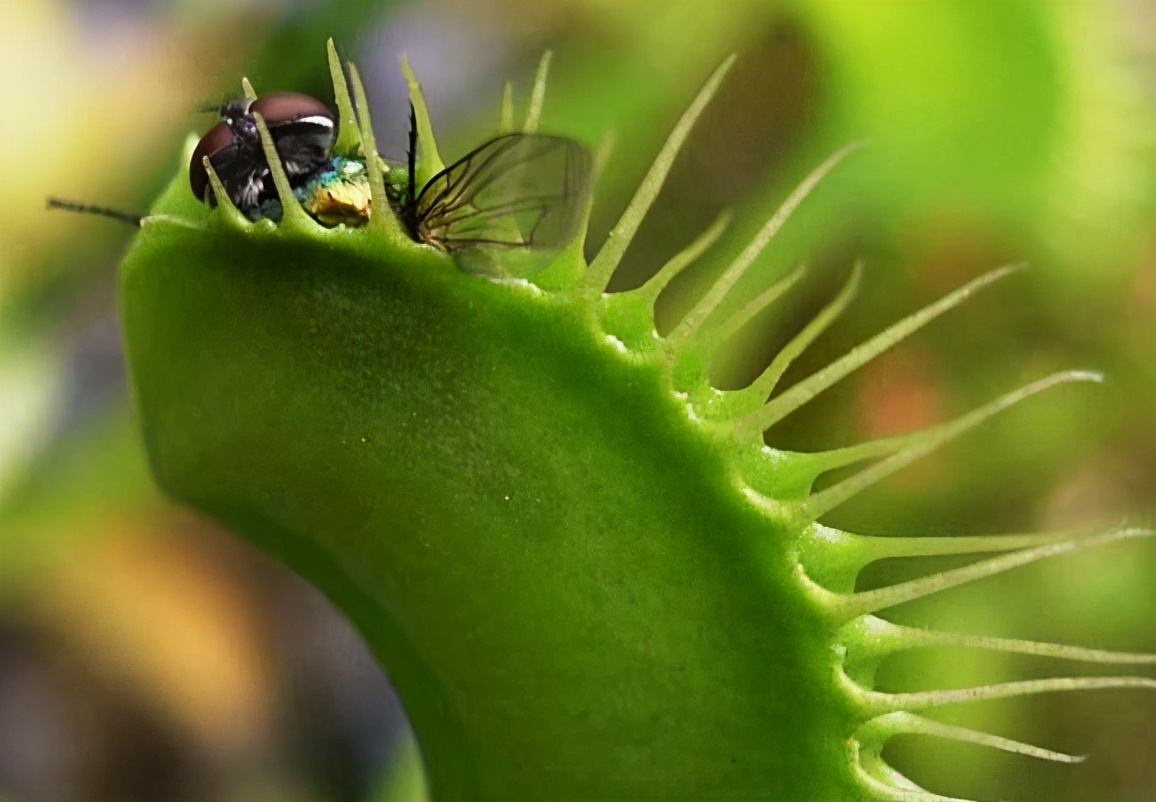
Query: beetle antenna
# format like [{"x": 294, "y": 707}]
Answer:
[{"x": 101, "y": 211}]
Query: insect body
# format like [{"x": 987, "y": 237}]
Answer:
[
  {"x": 502, "y": 209},
  {"x": 303, "y": 130}
]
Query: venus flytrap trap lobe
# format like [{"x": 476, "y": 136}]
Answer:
[{"x": 584, "y": 570}]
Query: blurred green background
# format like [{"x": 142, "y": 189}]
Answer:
[{"x": 146, "y": 655}]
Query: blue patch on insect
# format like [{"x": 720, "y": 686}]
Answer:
[{"x": 338, "y": 195}]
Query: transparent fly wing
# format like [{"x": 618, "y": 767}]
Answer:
[{"x": 508, "y": 205}]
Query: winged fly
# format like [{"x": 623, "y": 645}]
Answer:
[{"x": 501, "y": 209}]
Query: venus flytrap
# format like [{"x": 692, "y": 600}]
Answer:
[{"x": 587, "y": 575}]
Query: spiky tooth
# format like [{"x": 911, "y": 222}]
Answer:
[
  {"x": 381, "y": 217},
  {"x": 755, "y": 394},
  {"x": 692, "y": 322},
  {"x": 833, "y": 558},
  {"x": 292, "y": 214},
  {"x": 875, "y": 765},
  {"x": 851, "y": 605},
  {"x": 731, "y": 326},
  {"x": 879, "y": 730},
  {"x": 629, "y": 315},
  {"x": 727, "y": 405},
  {"x": 226, "y": 209},
  {"x": 877, "y": 702},
  {"x": 835, "y": 458},
  {"x": 606, "y": 262},
  {"x": 247, "y": 89},
  {"x": 429, "y": 163},
  {"x": 878, "y": 789},
  {"x": 778, "y": 408},
  {"x": 568, "y": 270},
  {"x": 681, "y": 260},
  {"x": 870, "y": 548},
  {"x": 506, "y": 119},
  {"x": 883, "y": 638},
  {"x": 348, "y": 135},
  {"x": 538, "y": 95},
  {"x": 919, "y": 444}
]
